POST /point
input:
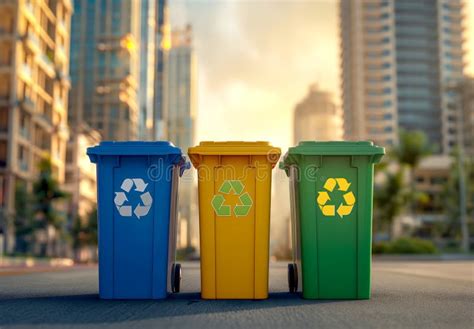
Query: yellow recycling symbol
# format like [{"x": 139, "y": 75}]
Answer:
[{"x": 344, "y": 208}]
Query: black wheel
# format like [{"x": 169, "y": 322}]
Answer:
[
  {"x": 292, "y": 277},
  {"x": 176, "y": 277}
]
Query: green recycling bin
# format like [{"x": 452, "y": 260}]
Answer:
[{"x": 331, "y": 190}]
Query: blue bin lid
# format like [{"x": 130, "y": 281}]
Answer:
[{"x": 133, "y": 148}]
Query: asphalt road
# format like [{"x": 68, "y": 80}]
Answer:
[{"x": 405, "y": 295}]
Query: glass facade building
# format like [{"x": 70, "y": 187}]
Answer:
[
  {"x": 180, "y": 122},
  {"x": 147, "y": 68},
  {"x": 105, "y": 67},
  {"x": 397, "y": 57},
  {"x": 163, "y": 44}
]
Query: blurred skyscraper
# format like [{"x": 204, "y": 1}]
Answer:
[
  {"x": 316, "y": 117},
  {"x": 105, "y": 67},
  {"x": 162, "y": 45},
  {"x": 396, "y": 58},
  {"x": 34, "y": 84},
  {"x": 181, "y": 93},
  {"x": 181, "y": 116},
  {"x": 155, "y": 42},
  {"x": 147, "y": 68}
]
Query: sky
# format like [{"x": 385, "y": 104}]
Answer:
[{"x": 257, "y": 59}]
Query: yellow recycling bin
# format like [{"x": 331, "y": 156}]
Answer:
[{"x": 234, "y": 217}]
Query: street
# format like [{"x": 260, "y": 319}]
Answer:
[{"x": 404, "y": 295}]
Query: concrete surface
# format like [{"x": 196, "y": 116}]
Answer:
[{"x": 405, "y": 295}]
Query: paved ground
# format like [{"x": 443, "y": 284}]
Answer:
[{"x": 405, "y": 295}]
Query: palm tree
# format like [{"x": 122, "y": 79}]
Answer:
[
  {"x": 393, "y": 193},
  {"x": 47, "y": 192},
  {"x": 23, "y": 222},
  {"x": 412, "y": 147},
  {"x": 390, "y": 199}
]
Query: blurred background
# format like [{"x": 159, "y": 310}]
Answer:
[{"x": 75, "y": 72}]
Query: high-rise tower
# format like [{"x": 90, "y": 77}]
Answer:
[
  {"x": 397, "y": 57},
  {"x": 105, "y": 64},
  {"x": 34, "y": 85}
]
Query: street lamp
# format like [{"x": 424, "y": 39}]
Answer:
[{"x": 457, "y": 87}]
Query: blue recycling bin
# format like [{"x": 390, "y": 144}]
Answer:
[{"x": 137, "y": 185}]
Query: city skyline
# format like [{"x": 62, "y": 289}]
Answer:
[{"x": 248, "y": 54}]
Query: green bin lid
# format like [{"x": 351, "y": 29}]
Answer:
[
  {"x": 337, "y": 148},
  {"x": 308, "y": 148}
]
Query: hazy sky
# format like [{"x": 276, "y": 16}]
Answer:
[{"x": 256, "y": 60}]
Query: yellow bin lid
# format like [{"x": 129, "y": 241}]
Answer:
[{"x": 234, "y": 148}]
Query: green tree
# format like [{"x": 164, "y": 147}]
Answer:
[
  {"x": 84, "y": 232},
  {"x": 390, "y": 199},
  {"x": 411, "y": 148},
  {"x": 23, "y": 219},
  {"x": 47, "y": 192},
  {"x": 396, "y": 190}
]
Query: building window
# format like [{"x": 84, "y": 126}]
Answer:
[
  {"x": 3, "y": 153},
  {"x": 69, "y": 155},
  {"x": 23, "y": 158},
  {"x": 4, "y": 119},
  {"x": 437, "y": 180}
]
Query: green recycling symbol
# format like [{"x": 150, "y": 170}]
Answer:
[{"x": 232, "y": 187}]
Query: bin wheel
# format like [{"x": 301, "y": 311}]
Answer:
[
  {"x": 292, "y": 277},
  {"x": 176, "y": 275}
]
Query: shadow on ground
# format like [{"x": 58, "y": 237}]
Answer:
[{"x": 89, "y": 309}]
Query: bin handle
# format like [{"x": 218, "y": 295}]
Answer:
[
  {"x": 176, "y": 173},
  {"x": 293, "y": 175},
  {"x": 184, "y": 166}
]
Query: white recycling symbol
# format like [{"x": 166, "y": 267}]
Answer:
[{"x": 120, "y": 198}]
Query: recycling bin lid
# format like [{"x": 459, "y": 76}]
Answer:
[
  {"x": 308, "y": 148},
  {"x": 337, "y": 148},
  {"x": 134, "y": 148},
  {"x": 235, "y": 148}
]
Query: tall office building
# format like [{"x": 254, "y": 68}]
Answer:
[
  {"x": 34, "y": 85},
  {"x": 105, "y": 67},
  {"x": 181, "y": 94},
  {"x": 181, "y": 117},
  {"x": 162, "y": 46},
  {"x": 147, "y": 68},
  {"x": 316, "y": 117},
  {"x": 397, "y": 57}
]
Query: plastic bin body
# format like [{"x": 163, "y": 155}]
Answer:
[
  {"x": 136, "y": 244},
  {"x": 335, "y": 240},
  {"x": 234, "y": 240}
]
